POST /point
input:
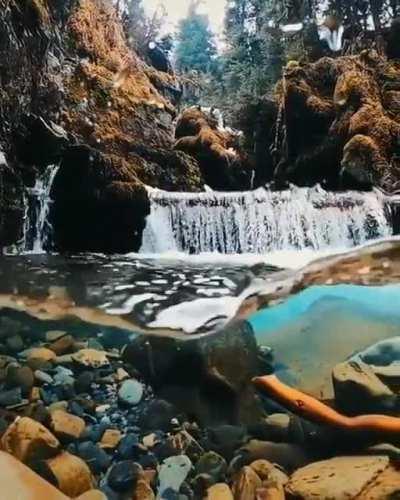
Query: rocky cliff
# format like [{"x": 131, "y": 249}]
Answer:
[
  {"x": 73, "y": 93},
  {"x": 341, "y": 123},
  {"x": 333, "y": 121}
]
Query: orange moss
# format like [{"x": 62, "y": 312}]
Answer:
[
  {"x": 111, "y": 103},
  {"x": 40, "y": 8},
  {"x": 97, "y": 33},
  {"x": 207, "y": 142},
  {"x": 351, "y": 103}
]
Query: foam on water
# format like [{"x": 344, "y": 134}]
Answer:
[{"x": 262, "y": 221}]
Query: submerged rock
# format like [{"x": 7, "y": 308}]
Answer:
[
  {"x": 130, "y": 392},
  {"x": 358, "y": 390},
  {"x": 72, "y": 474},
  {"x": 172, "y": 474},
  {"x": 90, "y": 358},
  {"x": 123, "y": 476},
  {"x": 246, "y": 484},
  {"x": 28, "y": 441},
  {"x": 212, "y": 464},
  {"x": 219, "y": 491},
  {"x": 337, "y": 478},
  {"x": 66, "y": 426},
  {"x": 288, "y": 456},
  {"x": 18, "y": 481}
]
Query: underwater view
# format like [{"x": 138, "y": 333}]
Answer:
[{"x": 199, "y": 250}]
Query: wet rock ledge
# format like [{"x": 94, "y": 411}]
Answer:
[{"x": 75, "y": 95}]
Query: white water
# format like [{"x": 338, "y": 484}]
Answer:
[
  {"x": 37, "y": 227},
  {"x": 334, "y": 39},
  {"x": 261, "y": 221}
]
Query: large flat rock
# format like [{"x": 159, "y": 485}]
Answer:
[
  {"x": 19, "y": 482},
  {"x": 336, "y": 479}
]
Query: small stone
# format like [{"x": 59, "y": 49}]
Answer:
[
  {"x": 76, "y": 409},
  {"x": 123, "y": 476},
  {"x": 275, "y": 428},
  {"x": 219, "y": 491},
  {"x": 54, "y": 335},
  {"x": 95, "y": 344},
  {"x": 102, "y": 409},
  {"x": 245, "y": 484},
  {"x": 158, "y": 415},
  {"x": 270, "y": 491},
  {"x": 128, "y": 447},
  {"x": 34, "y": 394},
  {"x": 150, "y": 440},
  {"x": 66, "y": 426},
  {"x": 59, "y": 405},
  {"x": 64, "y": 379},
  {"x": 150, "y": 476},
  {"x": 111, "y": 439},
  {"x": 72, "y": 474},
  {"x": 6, "y": 360},
  {"x": 41, "y": 353},
  {"x": 110, "y": 494},
  {"x": 84, "y": 381},
  {"x": 11, "y": 397},
  {"x": 91, "y": 358},
  {"x": 173, "y": 472},
  {"x": 121, "y": 375},
  {"x": 131, "y": 392},
  {"x": 37, "y": 411},
  {"x": 63, "y": 345},
  {"x": 201, "y": 483},
  {"x": 212, "y": 464},
  {"x": 143, "y": 491},
  {"x": 65, "y": 359},
  {"x": 15, "y": 343},
  {"x": 92, "y": 495},
  {"x": 29, "y": 440},
  {"x": 43, "y": 377},
  {"x": 39, "y": 364},
  {"x": 94, "y": 456},
  {"x": 20, "y": 376},
  {"x": 358, "y": 390},
  {"x": 266, "y": 471}
]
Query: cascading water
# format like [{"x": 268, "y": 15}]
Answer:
[
  {"x": 37, "y": 227},
  {"x": 262, "y": 221}
]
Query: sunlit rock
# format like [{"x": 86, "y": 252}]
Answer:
[
  {"x": 28, "y": 440},
  {"x": 66, "y": 426},
  {"x": 71, "y": 473},
  {"x": 335, "y": 479},
  {"x": 18, "y": 481}
]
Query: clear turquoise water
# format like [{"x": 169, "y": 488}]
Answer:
[{"x": 311, "y": 332}]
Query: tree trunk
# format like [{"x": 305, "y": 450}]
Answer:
[{"x": 376, "y": 10}]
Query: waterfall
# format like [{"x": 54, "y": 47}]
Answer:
[
  {"x": 334, "y": 38},
  {"x": 37, "y": 227},
  {"x": 261, "y": 221}
]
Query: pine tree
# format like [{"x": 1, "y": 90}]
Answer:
[
  {"x": 140, "y": 29},
  {"x": 196, "y": 49}
]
